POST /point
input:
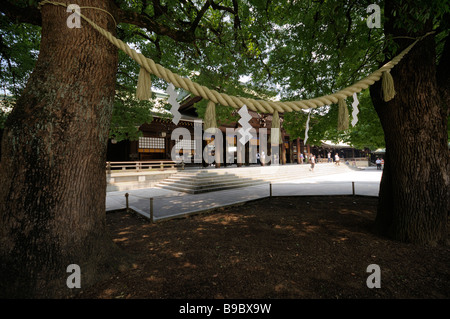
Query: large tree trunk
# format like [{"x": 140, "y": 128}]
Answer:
[
  {"x": 52, "y": 182},
  {"x": 415, "y": 187}
]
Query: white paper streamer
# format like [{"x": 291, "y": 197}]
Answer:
[
  {"x": 246, "y": 126},
  {"x": 355, "y": 109},
  {"x": 175, "y": 105},
  {"x": 307, "y": 128}
]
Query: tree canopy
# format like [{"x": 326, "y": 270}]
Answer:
[{"x": 286, "y": 50}]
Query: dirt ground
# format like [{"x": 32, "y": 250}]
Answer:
[{"x": 280, "y": 248}]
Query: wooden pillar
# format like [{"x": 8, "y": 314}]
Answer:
[
  {"x": 204, "y": 143},
  {"x": 224, "y": 149},
  {"x": 291, "y": 151},
  {"x": 247, "y": 153},
  {"x": 299, "y": 151}
]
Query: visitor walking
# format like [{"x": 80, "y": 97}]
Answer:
[
  {"x": 378, "y": 162},
  {"x": 336, "y": 159},
  {"x": 330, "y": 160},
  {"x": 313, "y": 162}
]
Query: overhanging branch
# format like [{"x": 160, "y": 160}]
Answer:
[
  {"x": 146, "y": 22},
  {"x": 16, "y": 14}
]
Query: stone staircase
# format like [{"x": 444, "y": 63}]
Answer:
[{"x": 209, "y": 180}]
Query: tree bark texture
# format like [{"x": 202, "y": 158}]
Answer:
[
  {"x": 414, "y": 196},
  {"x": 52, "y": 182}
]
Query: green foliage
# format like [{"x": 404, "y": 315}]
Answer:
[
  {"x": 224, "y": 115},
  {"x": 290, "y": 50},
  {"x": 413, "y": 16},
  {"x": 128, "y": 115},
  {"x": 315, "y": 49},
  {"x": 19, "y": 48},
  {"x": 6, "y": 105},
  {"x": 368, "y": 132},
  {"x": 3, "y": 116}
]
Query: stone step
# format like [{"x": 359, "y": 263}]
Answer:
[
  {"x": 192, "y": 183},
  {"x": 229, "y": 178},
  {"x": 211, "y": 188},
  {"x": 257, "y": 171},
  {"x": 207, "y": 180}
]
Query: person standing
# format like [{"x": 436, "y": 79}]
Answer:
[
  {"x": 336, "y": 159},
  {"x": 378, "y": 162},
  {"x": 313, "y": 162},
  {"x": 329, "y": 158}
]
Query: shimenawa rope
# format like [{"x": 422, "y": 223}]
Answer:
[{"x": 237, "y": 102}]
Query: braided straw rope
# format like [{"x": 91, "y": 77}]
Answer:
[{"x": 237, "y": 102}]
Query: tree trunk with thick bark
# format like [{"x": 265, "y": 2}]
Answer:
[
  {"x": 52, "y": 182},
  {"x": 414, "y": 196}
]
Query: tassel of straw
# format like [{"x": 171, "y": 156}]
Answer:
[
  {"x": 342, "y": 115},
  {"x": 387, "y": 84},
  {"x": 276, "y": 125},
  {"x": 144, "y": 85},
  {"x": 210, "y": 115},
  {"x": 211, "y": 122}
]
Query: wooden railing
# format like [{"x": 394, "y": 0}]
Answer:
[
  {"x": 353, "y": 160},
  {"x": 357, "y": 159},
  {"x": 344, "y": 159},
  {"x": 141, "y": 165}
]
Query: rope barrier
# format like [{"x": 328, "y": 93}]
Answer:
[
  {"x": 237, "y": 102},
  {"x": 65, "y": 5}
]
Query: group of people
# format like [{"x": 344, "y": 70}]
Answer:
[
  {"x": 313, "y": 159},
  {"x": 379, "y": 162}
]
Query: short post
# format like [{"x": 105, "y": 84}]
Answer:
[
  {"x": 161, "y": 165},
  {"x": 108, "y": 167},
  {"x": 353, "y": 188},
  {"x": 151, "y": 209},
  {"x": 270, "y": 189},
  {"x": 126, "y": 199}
]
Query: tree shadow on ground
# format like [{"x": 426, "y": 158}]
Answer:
[{"x": 280, "y": 247}]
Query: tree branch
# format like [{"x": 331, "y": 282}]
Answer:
[
  {"x": 144, "y": 21},
  {"x": 199, "y": 16},
  {"x": 219, "y": 7},
  {"x": 237, "y": 22},
  {"x": 18, "y": 14},
  {"x": 158, "y": 8}
]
